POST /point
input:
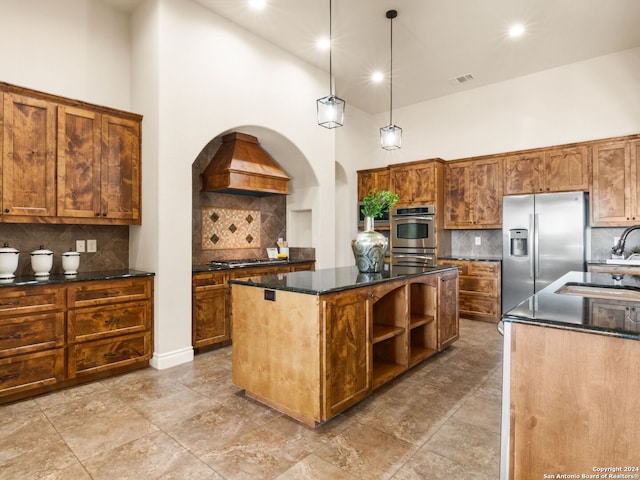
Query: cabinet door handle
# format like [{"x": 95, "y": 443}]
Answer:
[
  {"x": 7, "y": 210},
  {"x": 4, "y": 378},
  {"x": 112, "y": 321},
  {"x": 111, "y": 354},
  {"x": 112, "y": 293},
  {"x": 11, "y": 337},
  {"x": 6, "y": 304}
]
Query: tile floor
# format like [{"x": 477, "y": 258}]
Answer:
[{"x": 439, "y": 420}]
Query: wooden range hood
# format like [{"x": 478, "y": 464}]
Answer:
[{"x": 241, "y": 166}]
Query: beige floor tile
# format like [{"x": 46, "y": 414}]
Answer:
[
  {"x": 258, "y": 454},
  {"x": 154, "y": 456},
  {"x": 482, "y": 412},
  {"x": 428, "y": 465},
  {"x": 366, "y": 453},
  {"x": 314, "y": 468},
  {"x": 307, "y": 437}
]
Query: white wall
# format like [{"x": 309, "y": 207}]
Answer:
[
  {"x": 74, "y": 48},
  {"x": 588, "y": 100}
]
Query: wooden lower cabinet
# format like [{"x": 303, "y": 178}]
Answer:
[
  {"x": 480, "y": 284},
  {"x": 313, "y": 356},
  {"x": 57, "y": 335},
  {"x": 570, "y": 401},
  {"x": 211, "y": 309}
]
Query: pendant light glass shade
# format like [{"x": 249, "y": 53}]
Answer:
[
  {"x": 391, "y": 135},
  {"x": 330, "y": 111},
  {"x": 330, "y": 108}
]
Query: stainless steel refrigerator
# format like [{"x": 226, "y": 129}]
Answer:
[{"x": 543, "y": 237}]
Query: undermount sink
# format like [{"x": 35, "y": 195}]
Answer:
[
  {"x": 602, "y": 292},
  {"x": 620, "y": 261}
]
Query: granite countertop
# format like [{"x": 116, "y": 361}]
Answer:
[
  {"x": 480, "y": 258},
  {"x": 583, "y": 313},
  {"x": 214, "y": 268},
  {"x": 55, "y": 278},
  {"x": 330, "y": 280}
]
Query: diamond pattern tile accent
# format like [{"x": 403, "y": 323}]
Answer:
[{"x": 224, "y": 228}]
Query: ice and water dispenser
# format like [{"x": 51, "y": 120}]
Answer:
[{"x": 518, "y": 242}]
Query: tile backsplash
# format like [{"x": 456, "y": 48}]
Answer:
[{"x": 112, "y": 244}]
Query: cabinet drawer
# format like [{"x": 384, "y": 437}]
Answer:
[
  {"x": 462, "y": 265},
  {"x": 87, "y": 294},
  {"x": 31, "y": 371},
  {"x": 24, "y": 300},
  {"x": 99, "y": 355},
  {"x": 473, "y": 303},
  {"x": 30, "y": 333},
  {"x": 483, "y": 269},
  {"x": 485, "y": 286},
  {"x": 204, "y": 281},
  {"x": 96, "y": 322}
]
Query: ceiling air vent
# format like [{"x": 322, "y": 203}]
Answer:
[{"x": 467, "y": 77}]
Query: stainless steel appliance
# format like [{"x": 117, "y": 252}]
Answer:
[
  {"x": 380, "y": 222},
  {"x": 543, "y": 237},
  {"x": 413, "y": 236}
]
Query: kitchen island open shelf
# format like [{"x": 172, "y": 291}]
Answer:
[{"x": 312, "y": 344}]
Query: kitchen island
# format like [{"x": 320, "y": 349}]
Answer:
[
  {"x": 571, "y": 379},
  {"x": 312, "y": 344}
]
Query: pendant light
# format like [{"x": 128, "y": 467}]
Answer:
[
  {"x": 330, "y": 108},
  {"x": 391, "y": 135}
]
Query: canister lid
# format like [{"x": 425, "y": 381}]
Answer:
[
  {"x": 7, "y": 249},
  {"x": 42, "y": 251}
]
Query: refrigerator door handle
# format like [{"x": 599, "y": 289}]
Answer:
[
  {"x": 536, "y": 239},
  {"x": 530, "y": 239}
]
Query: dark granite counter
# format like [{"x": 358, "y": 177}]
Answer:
[
  {"x": 265, "y": 263},
  {"x": 330, "y": 280},
  {"x": 586, "y": 312},
  {"x": 25, "y": 280}
]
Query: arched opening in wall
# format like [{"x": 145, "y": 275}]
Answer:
[
  {"x": 344, "y": 218},
  {"x": 228, "y": 226}
]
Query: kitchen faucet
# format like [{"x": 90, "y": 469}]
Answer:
[{"x": 618, "y": 248}]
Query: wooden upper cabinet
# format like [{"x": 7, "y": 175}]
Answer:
[
  {"x": 615, "y": 193},
  {"x": 548, "y": 170},
  {"x": 66, "y": 160},
  {"x": 28, "y": 157},
  {"x": 523, "y": 173},
  {"x": 78, "y": 162},
  {"x": 120, "y": 171},
  {"x": 373, "y": 179},
  {"x": 566, "y": 169},
  {"x": 415, "y": 183},
  {"x": 473, "y": 194}
]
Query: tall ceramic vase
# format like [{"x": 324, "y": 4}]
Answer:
[{"x": 368, "y": 248}]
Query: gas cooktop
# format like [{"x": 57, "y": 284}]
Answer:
[{"x": 245, "y": 262}]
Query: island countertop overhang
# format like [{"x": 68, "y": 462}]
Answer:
[
  {"x": 552, "y": 308},
  {"x": 332, "y": 280}
]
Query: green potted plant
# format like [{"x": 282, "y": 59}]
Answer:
[
  {"x": 378, "y": 201},
  {"x": 369, "y": 246}
]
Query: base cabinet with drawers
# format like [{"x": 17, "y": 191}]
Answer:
[
  {"x": 211, "y": 309},
  {"x": 61, "y": 334},
  {"x": 480, "y": 284}
]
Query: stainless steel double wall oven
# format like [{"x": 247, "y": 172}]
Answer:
[{"x": 413, "y": 236}]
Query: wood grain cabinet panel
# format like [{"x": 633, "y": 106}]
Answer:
[
  {"x": 22, "y": 375},
  {"x": 65, "y": 161},
  {"x": 416, "y": 183},
  {"x": 372, "y": 179},
  {"x": 28, "y": 157},
  {"x": 473, "y": 194},
  {"x": 523, "y": 173},
  {"x": 28, "y": 333},
  {"x": 615, "y": 193}
]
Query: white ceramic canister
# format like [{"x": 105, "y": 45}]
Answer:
[
  {"x": 70, "y": 262},
  {"x": 8, "y": 261},
  {"x": 41, "y": 261}
]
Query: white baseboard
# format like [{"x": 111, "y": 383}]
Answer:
[{"x": 171, "y": 359}]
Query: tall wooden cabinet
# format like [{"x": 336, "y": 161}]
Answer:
[
  {"x": 372, "y": 179},
  {"x": 615, "y": 191},
  {"x": 417, "y": 183},
  {"x": 28, "y": 157},
  {"x": 473, "y": 194},
  {"x": 65, "y": 161}
]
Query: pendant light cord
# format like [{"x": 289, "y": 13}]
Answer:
[
  {"x": 330, "y": 51},
  {"x": 391, "y": 17}
]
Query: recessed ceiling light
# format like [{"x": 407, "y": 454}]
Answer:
[
  {"x": 516, "y": 30},
  {"x": 257, "y": 4},
  {"x": 377, "y": 77},
  {"x": 323, "y": 43}
]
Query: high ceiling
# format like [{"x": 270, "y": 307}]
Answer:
[{"x": 435, "y": 40}]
